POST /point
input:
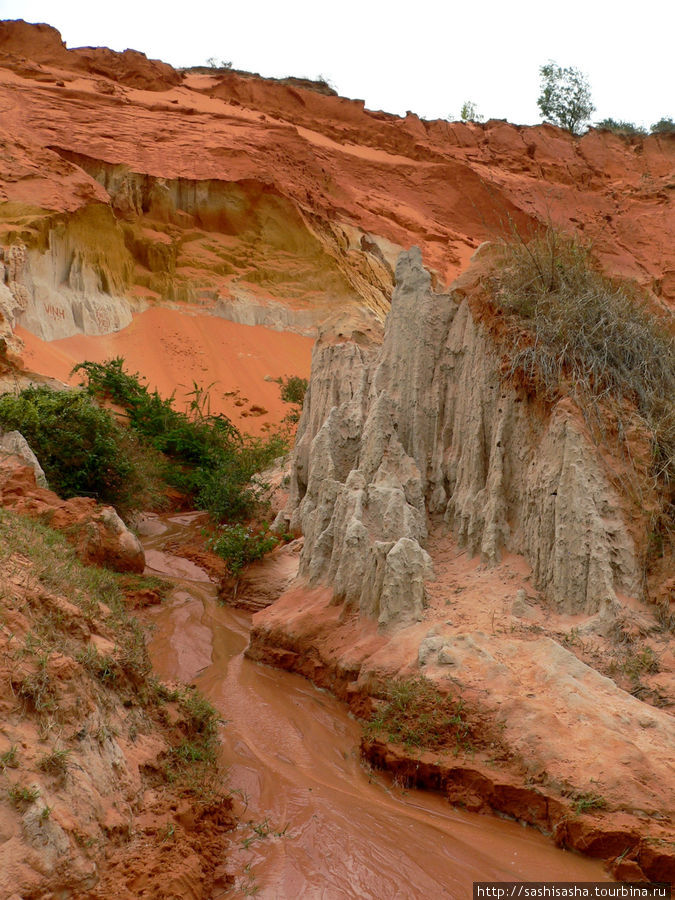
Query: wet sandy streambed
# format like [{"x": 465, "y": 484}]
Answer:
[{"x": 320, "y": 825}]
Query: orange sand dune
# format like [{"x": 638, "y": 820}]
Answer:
[{"x": 173, "y": 349}]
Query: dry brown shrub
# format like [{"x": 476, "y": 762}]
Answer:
[{"x": 592, "y": 337}]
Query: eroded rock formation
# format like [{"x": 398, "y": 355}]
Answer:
[
  {"x": 128, "y": 186},
  {"x": 425, "y": 424},
  {"x": 63, "y": 291}
]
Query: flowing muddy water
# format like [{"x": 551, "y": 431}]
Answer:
[{"x": 321, "y": 825}]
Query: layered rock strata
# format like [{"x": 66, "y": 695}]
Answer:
[
  {"x": 277, "y": 202},
  {"x": 62, "y": 291}
]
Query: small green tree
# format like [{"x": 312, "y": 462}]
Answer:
[
  {"x": 565, "y": 98},
  {"x": 469, "y": 112}
]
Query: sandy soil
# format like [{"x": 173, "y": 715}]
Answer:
[{"x": 173, "y": 349}]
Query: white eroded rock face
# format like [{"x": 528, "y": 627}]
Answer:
[
  {"x": 271, "y": 315},
  {"x": 423, "y": 425},
  {"x": 57, "y": 293}
]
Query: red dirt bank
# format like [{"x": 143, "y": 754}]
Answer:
[
  {"x": 304, "y": 632},
  {"x": 445, "y": 186}
]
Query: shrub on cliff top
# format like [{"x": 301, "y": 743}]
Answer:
[
  {"x": 469, "y": 112},
  {"x": 589, "y": 333},
  {"x": 663, "y": 126},
  {"x": 616, "y": 126}
]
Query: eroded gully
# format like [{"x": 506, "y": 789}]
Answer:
[{"x": 321, "y": 825}]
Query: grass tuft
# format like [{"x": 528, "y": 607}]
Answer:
[
  {"x": 99, "y": 595},
  {"x": 415, "y": 713},
  {"x": 9, "y": 759},
  {"x": 193, "y": 760},
  {"x": 585, "y": 801},
  {"x": 55, "y": 763},
  {"x": 22, "y": 796}
]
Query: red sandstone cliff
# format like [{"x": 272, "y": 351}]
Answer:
[
  {"x": 127, "y": 187},
  {"x": 273, "y": 203},
  {"x": 316, "y": 178}
]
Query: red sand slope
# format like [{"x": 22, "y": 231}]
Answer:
[{"x": 173, "y": 349}]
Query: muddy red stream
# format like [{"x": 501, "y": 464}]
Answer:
[{"x": 315, "y": 822}]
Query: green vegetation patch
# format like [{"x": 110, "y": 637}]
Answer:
[
  {"x": 193, "y": 758},
  {"x": 9, "y": 759},
  {"x": 293, "y": 389},
  {"x": 587, "y": 801},
  {"x": 240, "y": 545},
  {"x": 416, "y": 713},
  {"x": 22, "y": 796},
  {"x": 96, "y": 592},
  {"x": 207, "y": 458},
  {"x": 119, "y": 678},
  {"x": 664, "y": 126},
  {"x": 80, "y": 447},
  {"x": 55, "y": 763},
  {"x": 617, "y": 126}
]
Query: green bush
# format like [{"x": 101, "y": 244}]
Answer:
[
  {"x": 84, "y": 451},
  {"x": 293, "y": 389},
  {"x": 186, "y": 438},
  {"x": 226, "y": 491},
  {"x": 239, "y": 545},
  {"x": 663, "y": 126},
  {"x": 229, "y": 490},
  {"x": 210, "y": 460},
  {"x": 79, "y": 446},
  {"x": 616, "y": 126}
]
